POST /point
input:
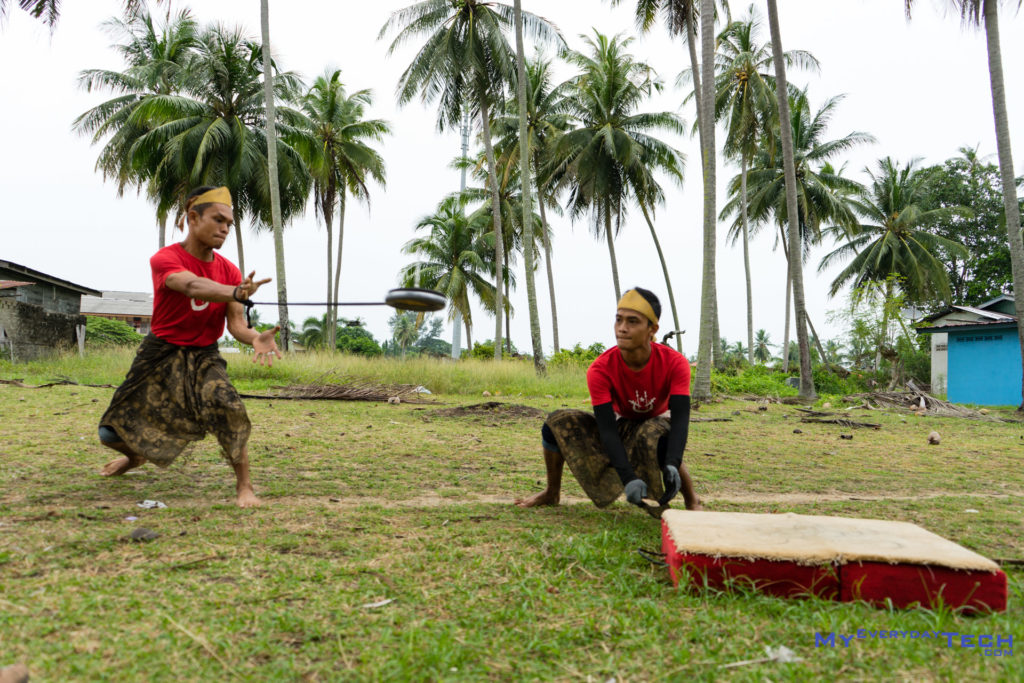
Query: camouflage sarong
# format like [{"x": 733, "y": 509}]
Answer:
[
  {"x": 580, "y": 445},
  {"x": 174, "y": 395}
]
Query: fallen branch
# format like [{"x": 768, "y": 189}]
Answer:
[
  {"x": 842, "y": 422},
  {"x": 55, "y": 383},
  {"x": 710, "y": 419},
  {"x": 344, "y": 389}
]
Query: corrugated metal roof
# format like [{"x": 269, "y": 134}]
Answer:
[
  {"x": 11, "y": 284},
  {"x": 50, "y": 279},
  {"x": 947, "y": 326},
  {"x": 993, "y": 315},
  {"x": 94, "y": 305}
]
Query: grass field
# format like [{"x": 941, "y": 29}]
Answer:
[{"x": 368, "y": 502}]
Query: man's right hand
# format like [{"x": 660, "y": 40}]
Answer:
[{"x": 636, "y": 491}]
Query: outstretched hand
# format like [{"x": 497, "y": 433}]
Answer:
[
  {"x": 265, "y": 348},
  {"x": 249, "y": 286}
]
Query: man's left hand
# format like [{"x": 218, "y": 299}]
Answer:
[
  {"x": 673, "y": 482},
  {"x": 265, "y": 348}
]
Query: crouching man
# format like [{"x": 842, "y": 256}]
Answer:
[
  {"x": 635, "y": 438},
  {"x": 177, "y": 389}
]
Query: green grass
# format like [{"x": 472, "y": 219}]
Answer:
[{"x": 366, "y": 502}]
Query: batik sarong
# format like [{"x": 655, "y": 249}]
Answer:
[
  {"x": 175, "y": 395},
  {"x": 580, "y": 445}
]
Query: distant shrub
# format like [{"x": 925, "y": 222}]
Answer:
[
  {"x": 577, "y": 356},
  {"x": 758, "y": 380},
  {"x": 357, "y": 340},
  {"x": 103, "y": 332}
]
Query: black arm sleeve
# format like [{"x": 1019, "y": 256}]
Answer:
[
  {"x": 679, "y": 429},
  {"x": 613, "y": 447}
]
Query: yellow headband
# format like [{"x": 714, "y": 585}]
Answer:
[
  {"x": 218, "y": 195},
  {"x": 633, "y": 301}
]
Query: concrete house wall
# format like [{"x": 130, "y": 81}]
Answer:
[{"x": 984, "y": 366}]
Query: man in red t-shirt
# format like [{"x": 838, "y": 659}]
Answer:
[
  {"x": 177, "y": 389},
  {"x": 634, "y": 440}
]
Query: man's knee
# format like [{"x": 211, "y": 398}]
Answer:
[
  {"x": 547, "y": 439},
  {"x": 108, "y": 436}
]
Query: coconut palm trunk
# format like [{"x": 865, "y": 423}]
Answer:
[
  {"x": 337, "y": 261},
  {"x": 691, "y": 43},
  {"x": 499, "y": 240},
  {"x": 551, "y": 276},
  {"x": 611, "y": 251},
  {"x": 163, "y": 231},
  {"x": 327, "y": 209},
  {"x": 275, "y": 188},
  {"x": 702, "y": 382},
  {"x": 1010, "y": 205},
  {"x": 238, "y": 237},
  {"x": 789, "y": 308},
  {"x": 524, "y": 179},
  {"x": 746, "y": 259},
  {"x": 789, "y": 167},
  {"x": 668, "y": 281}
]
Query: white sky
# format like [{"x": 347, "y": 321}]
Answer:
[{"x": 921, "y": 89}]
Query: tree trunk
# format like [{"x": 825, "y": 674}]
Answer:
[
  {"x": 499, "y": 244},
  {"x": 691, "y": 43},
  {"x": 1010, "y": 206},
  {"x": 524, "y": 179},
  {"x": 337, "y": 262},
  {"x": 785, "y": 334},
  {"x": 238, "y": 236},
  {"x": 327, "y": 209},
  {"x": 508, "y": 319},
  {"x": 668, "y": 282},
  {"x": 275, "y": 189},
  {"x": 746, "y": 259},
  {"x": 163, "y": 232},
  {"x": 551, "y": 277},
  {"x": 817, "y": 343},
  {"x": 702, "y": 382},
  {"x": 795, "y": 262},
  {"x": 469, "y": 338},
  {"x": 611, "y": 251}
]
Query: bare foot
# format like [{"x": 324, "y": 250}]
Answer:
[
  {"x": 119, "y": 466},
  {"x": 538, "y": 499},
  {"x": 695, "y": 505},
  {"x": 247, "y": 499}
]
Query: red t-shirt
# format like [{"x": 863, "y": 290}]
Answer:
[
  {"x": 639, "y": 395},
  {"x": 179, "y": 319}
]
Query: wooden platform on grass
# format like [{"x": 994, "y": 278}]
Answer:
[{"x": 836, "y": 558}]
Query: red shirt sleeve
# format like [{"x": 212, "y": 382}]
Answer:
[
  {"x": 679, "y": 384},
  {"x": 598, "y": 382},
  {"x": 163, "y": 264}
]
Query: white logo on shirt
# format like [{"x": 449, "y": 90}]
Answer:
[
  {"x": 642, "y": 404},
  {"x": 198, "y": 308}
]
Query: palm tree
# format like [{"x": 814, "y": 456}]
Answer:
[
  {"x": 546, "y": 121},
  {"x": 405, "y": 329},
  {"x": 467, "y": 62},
  {"x": 157, "y": 58},
  {"x": 745, "y": 98},
  {"x": 214, "y": 133},
  {"x": 455, "y": 258},
  {"x": 273, "y": 179},
  {"x": 823, "y": 194},
  {"x": 897, "y": 242},
  {"x": 315, "y": 332},
  {"x": 789, "y": 166},
  {"x": 613, "y": 154},
  {"x": 762, "y": 347},
  {"x": 333, "y": 136},
  {"x": 48, "y": 11},
  {"x": 976, "y": 13},
  {"x": 527, "y": 196}
]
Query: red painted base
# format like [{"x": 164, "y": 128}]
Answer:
[{"x": 905, "y": 585}]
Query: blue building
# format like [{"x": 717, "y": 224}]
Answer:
[{"x": 976, "y": 353}]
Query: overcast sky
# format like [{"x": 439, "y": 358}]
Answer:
[{"x": 921, "y": 88}]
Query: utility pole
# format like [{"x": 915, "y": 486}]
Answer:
[{"x": 457, "y": 332}]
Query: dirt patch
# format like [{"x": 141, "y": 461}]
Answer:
[{"x": 493, "y": 410}]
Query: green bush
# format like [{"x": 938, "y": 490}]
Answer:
[
  {"x": 357, "y": 340},
  {"x": 103, "y": 332},
  {"x": 759, "y": 380},
  {"x": 577, "y": 356}
]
